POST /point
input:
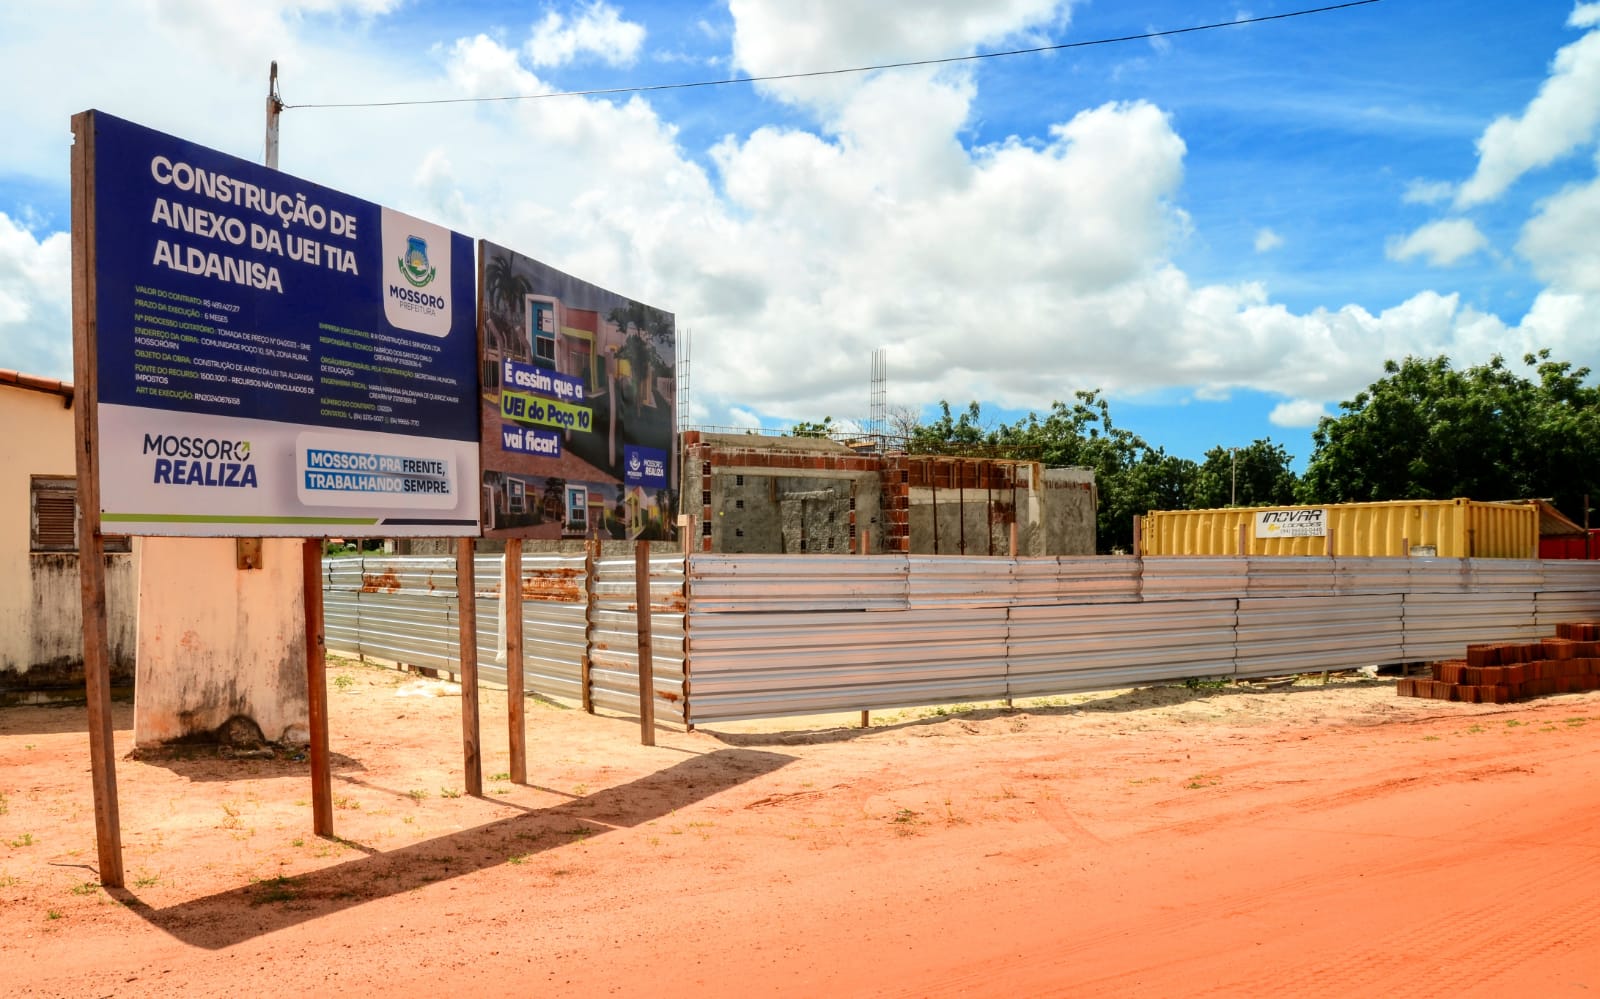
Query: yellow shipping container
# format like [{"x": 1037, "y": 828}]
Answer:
[{"x": 1458, "y": 528}]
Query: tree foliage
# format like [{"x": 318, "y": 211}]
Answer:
[
  {"x": 1257, "y": 475},
  {"x": 806, "y": 428},
  {"x": 1426, "y": 430}
]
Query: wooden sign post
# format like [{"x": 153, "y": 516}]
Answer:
[
  {"x": 511, "y": 588},
  {"x": 467, "y": 601},
  {"x": 91, "y": 544},
  {"x": 647, "y": 680}
]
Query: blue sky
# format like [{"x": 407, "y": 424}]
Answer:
[{"x": 1227, "y": 231}]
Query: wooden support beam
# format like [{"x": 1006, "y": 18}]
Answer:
[
  {"x": 591, "y": 572},
  {"x": 511, "y": 588},
  {"x": 317, "y": 689},
  {"x": 467, "y": 599},
  {"x": 91, "y": 544},
  {"x": 647, "y": 680}
]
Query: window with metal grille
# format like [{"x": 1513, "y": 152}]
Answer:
[{"x": 53, "y": 517}]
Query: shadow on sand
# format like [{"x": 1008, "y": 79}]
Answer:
[{"x": 213, "y": 922}]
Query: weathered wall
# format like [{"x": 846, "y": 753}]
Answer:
[
  {"x": 216, "y": 642},
  {"x": 1068, "y": 503},
  {"x": 41, "y": 619},
  {"x": 781, "y": 495},
  {"x": 762, "y": 510},
  {"x": 54, "y": 635}
]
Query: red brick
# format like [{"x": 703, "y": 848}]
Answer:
[{"x": 1483, "y": 655}]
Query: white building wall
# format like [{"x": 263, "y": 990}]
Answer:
[
  {"x": 217, "y": 642},
  {"x": 41, "y": 622}
]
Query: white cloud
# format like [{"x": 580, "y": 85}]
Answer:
[
  {"x": 1559, "y": 241},
  {"x": 1013, "y": 273},
  {"x": 804, "y": 35},
  {"x": 1428, "y": 192},
  {"x": 1267, "y": 240},
  {"x": 594, "y": 29},
  {"x": 1297, "y": 413},
  {"x": 1562, "y": 117},
  {"x": 35, "y": 301},
  {"x": 1443, "y": 243}
]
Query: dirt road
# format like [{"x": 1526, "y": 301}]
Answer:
[{"x": 1311, "y": 841}]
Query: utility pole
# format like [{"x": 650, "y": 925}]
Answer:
[
  {"x": 311, "y": 582},
  {"x": 274, "y": 109},
  {"x": 1233, "y": 496}
]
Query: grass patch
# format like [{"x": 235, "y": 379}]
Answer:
[
  {"x": 26, "y": 839},
  {"x": 417, "y": 793},
  {"x": 148, "y": 881},
  {"x": 506, "y": 775},
  {"x": 278, "y": 889},
  {"x": 344, "y": 681},
  {"x": 1203, "y": 780},
  {"x": 52, "y": 914},
  {"x": 449, "y": 792}
]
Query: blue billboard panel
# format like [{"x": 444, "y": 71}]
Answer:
[
  {"x": 578, "y": 406},
  {"x": 275, "y": 357}
]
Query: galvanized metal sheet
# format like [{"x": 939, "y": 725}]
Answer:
[
  {"x": 1104, "y": 580},
  {"x": 1290, "y": 576},
  {"x": 1504, "y": 574},
  {"x": 1365, "y": 576},
  {"x": 1562, "y": 606},
  {"x": 1192, "y": 578},
  {"x": 1570, "y": 575},
  {"x": 1299, "y": 634},
  {"x": 614, "y": 659},
  {"x": 1439, "y": 575},
  {"x": 954, "y": 581},
  {"x": 1440, "y": 625},
  {"x": 746, "y": 583},
  {"x": 761, "y": 665},
  {"x": 1049, "y": 649}
]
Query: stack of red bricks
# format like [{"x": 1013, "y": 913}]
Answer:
[{"x": 1508, "y": 671}]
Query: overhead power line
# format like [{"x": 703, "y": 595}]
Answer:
[{"x": 647, "y": 88}]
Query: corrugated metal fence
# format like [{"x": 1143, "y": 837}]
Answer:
[
  {"x": 750, "y": 636},
  {"x": 579, "y": 618},
  {"x": 776, "y": 635}
]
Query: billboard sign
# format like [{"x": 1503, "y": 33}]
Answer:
[
  {"x": 577, "y": 406},
  {"x": 275, "y": 357}
]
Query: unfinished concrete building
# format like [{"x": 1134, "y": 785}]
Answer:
[{"x": 749, "y": 493}]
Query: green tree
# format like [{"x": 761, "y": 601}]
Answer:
[
  {"x": 1426, "y": 430},
  {"x": 806, "y": 428},
  {"x": 1131, "y": 477},
  {"x": 1264, "y": 477},
  {"x": 949, "y": 434}
]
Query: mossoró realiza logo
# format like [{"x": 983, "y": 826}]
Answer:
[{"x": 200, "y": 461}]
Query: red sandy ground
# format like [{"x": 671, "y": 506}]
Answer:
[{"x": 1312, "y": 841}]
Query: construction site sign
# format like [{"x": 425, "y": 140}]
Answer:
[
  {"x": 578, "y": 398},
  {"x": 273, "y": 357}
]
